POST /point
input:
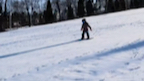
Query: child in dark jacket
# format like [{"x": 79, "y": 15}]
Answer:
[{"x": 85, "y": 27}]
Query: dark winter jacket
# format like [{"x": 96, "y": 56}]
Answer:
[{"x": 85, "y": 27}]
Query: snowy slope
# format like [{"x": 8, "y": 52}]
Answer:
[{"x": 55, "y": 53}]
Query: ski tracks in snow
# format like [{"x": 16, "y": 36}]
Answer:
[{"x": 90, "y": 68}]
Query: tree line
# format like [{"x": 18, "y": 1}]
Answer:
[{"x": 31, "y": 12}]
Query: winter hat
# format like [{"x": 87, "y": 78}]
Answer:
[{"x": 83, "y": 20}]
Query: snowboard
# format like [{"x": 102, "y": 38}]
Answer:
[{"x": 85, "y": 39}]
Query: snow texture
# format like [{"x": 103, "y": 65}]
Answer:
[{"x": 55, "y": 53}]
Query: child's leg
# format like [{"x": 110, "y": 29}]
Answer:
[
  {"x": 83, "y": 35},
  {"x": 87, "y": 35}
]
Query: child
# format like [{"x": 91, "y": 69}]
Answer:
[{"x": 84, "y": 28}]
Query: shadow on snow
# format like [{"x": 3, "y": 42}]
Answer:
[
  {"x": 32, "y": 50},
  {"x": 114, "y": 51},
  {"x": 121, "y": 49}
]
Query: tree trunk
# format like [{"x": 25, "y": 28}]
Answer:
[
  {"x": 5, "y": 16},
  {"x": 27, "y": 3},
  {"x": 10, "y": 20},
  {"x": 57, "y": 3},
  {"x": 29, "y": 17},
  {"x": 106, "y": 6}
]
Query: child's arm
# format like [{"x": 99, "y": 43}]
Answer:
[
  {"x": 89, "y": 27},
  {"x": 82, "y": 28}
]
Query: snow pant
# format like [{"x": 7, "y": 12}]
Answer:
[{"x": 84, "y": 34}]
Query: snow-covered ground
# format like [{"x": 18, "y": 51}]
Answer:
[{"x": 54, "y": 52}]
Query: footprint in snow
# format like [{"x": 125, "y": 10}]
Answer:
[
  {"x": 132, "y": 69},
  {"x": 14, "y": 75},
  {"x": 79, "y": 79},
  {"x": 95, "y": 64},
  {"x": 78, "y": 71},
  {"x": 102, "y": 80},
  {"x": 93, "y": 72},
  {"x": 3, "y": 79},
  {"x": 37, "y": 68},
  {"x": 67, "y": 59},
  {"x": 127, "y": 63},
  {"x": 43, "y": 65}
]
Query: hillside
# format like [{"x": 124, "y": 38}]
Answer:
[{"x": 55, "y": 52}]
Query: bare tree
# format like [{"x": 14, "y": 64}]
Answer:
[
  {"x": 58, "y": 6},
  {"x": 1, "y": 29},
  {"x": 29, "y": 8},
  {"x": 101, "y": 6},
  {"x": 5, "y": 11},
  {"x": 5, "y": 14},
  {"x": 122, "y": 5}
]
